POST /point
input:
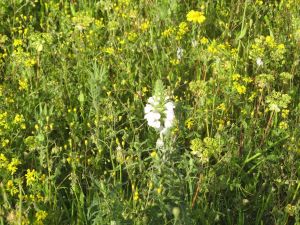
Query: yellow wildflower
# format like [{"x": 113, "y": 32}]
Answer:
[
  {"x": 182, "y": 30},
  {"x": 189, "y": 123},
  {"x": 18, "y": 119},
  {"x": 12, "y": 166},
  {"x": 136, "y": 196},
  {"x": 17, "y": 42},
  {"x": 109, "y": 50},
  {"x": 174, "y": 62},
  {"x": 3, "y": 160},
  {"x": 159, "y": 189},
  {"x": 285, "y": 113},
  {"x": 241, "y": 89},
  {"x": 168, "y": 32},
  {"x": 5, "y": 143},
  {"x": 204, "y": 40},
  {"x": 11, "y": 187},
  {"x": 41, "y": 216},
  {"x": 222, "y": 107},
  {"x": 236, "y": 77},
  {"x": 23, "y": 84},
  {"x": 31, "y": 176},
  {"x": 132, "y": 36},
  {"x": 270, "y": 41},
  {"x": 195, "y": 17},
  {"x": 144, "y": 26},
  {"x": 283, "y": 125},
  {"x": 153, "y": 154}
]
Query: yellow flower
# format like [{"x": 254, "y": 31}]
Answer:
[
  {"x": 236, "y": 77},
  {"x": 283, "y": 125},
  {"x": 11, "y": 187},
  {"x": 132, "y": 36},
  {"x": 18, "y": 119},
  {"x": 189, "y": 123},
  {"x": 109, "y": 50},
  {"x": 12, "y": 166},
  {"x": 222, "y": 107},
  {"x": 204, "y": 40},
  {"x": 168, "y": 32},
  {"x": 5, "y": 143},
  {"x": 41, "y": 216},
  {"x": 270, "y": 41},
  {"x": 3, "y": 160},
  {"x": 153, "y": 154},
  {"x": 182, "y": 30},
  {"x": 241, "y": 89},
  {"x": 31, "y": 176},
  {"x": 23, "y": 84},
  {"x": 159, "y": 189},
  {"x": 195, "y": 17},
  {"x": 174, "y": 62},
  {"x": 135, "y": 196},
  {"x": 144, "y": 26},
  {"x": 285, "y": 113},
  {"x": 17, "y": 42}
]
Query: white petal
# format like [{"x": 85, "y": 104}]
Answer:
[
  {"x": 148, "y": 108},
  {"x": 169, "y": 114},
  {"x": 170, "y": 106},
  {"x": 159, "y": 143},
  {"x": 155, "y": 124},
  {"x": 168, "y": 123},
  {"x": 152, "y": 115},
  {"x": 151, "y": 100}
]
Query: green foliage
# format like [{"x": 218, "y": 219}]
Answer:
[{"x": 75, "y": 77}]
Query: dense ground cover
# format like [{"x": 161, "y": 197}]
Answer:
[{"x": 88, "y": 129}]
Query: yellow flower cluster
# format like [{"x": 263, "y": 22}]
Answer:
[
  {"x": 40, "y": 216},
  {"x": 195, "y": 17},
  {"x": 31, "y": 176},
  {"x": 13, "y": 166}
]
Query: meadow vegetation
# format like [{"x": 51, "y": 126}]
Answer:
[{"x": 149, "y": 112}]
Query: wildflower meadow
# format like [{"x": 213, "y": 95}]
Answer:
[{"x": 140, "y": 112}]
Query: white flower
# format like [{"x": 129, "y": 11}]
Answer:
[
  {"x": 160, "y": 119},
  {"x": 153, "y": 118},
  {"x": 154, "y": 100},
  {"x": 169, "y": 114},
  {"x": 148, "y": 108},
  {"x": 159, "y": 143},
  {"x": 259, "y": 62},
  {"x": 194, "y": 43},
  {"x": 179, "y": 53}
]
